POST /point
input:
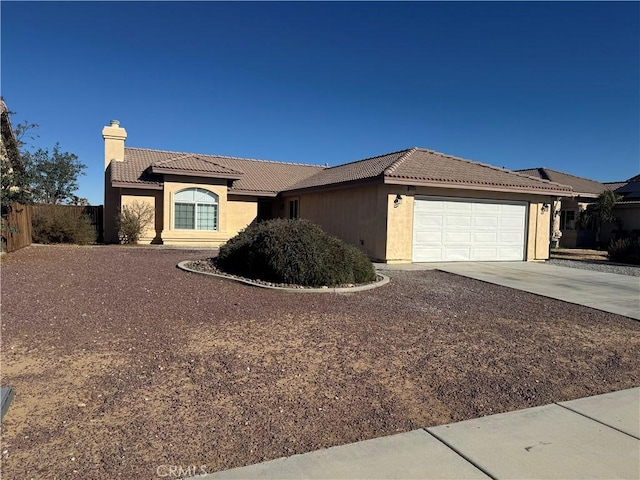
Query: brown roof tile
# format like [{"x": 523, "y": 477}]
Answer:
[
  {"x": 421, "y": 166},
  {"x": 580, "y": 185},
  {"x": 255, "y": 176},
  {"x": 369, "y": 168},
  {"x": 614, "y": 185},
  {"x": 417, "y": 166},
  {"x": 196, "y": 164}
]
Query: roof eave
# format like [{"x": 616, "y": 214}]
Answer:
[
  {"x": 472, "y": 186},
  {"x": 147, "y": 186},
  {"x": 586, "y": 195},
  {"x": 252, "y": 193}
]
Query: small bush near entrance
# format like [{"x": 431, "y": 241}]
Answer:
[
  {"x": 625, "y": 250},
  {"x": 55, "y": 225},
  {"x": 294, "y": 252},
  {"x": 133, "y": 220}
]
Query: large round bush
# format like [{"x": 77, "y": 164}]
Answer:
[{"x": 294, "y": 252}]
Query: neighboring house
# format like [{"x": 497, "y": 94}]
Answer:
[
  {"x": 414, "y": 205},
  {"x": 585, "y": 192},
  {"x": 628, "y": 208}
]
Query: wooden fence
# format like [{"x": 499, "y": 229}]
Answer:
[{"x": 16, "y": 228}]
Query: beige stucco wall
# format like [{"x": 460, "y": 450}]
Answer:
[
  {"x": 400, "y": 219},
  {"x": 629, "y": 214},
  {"x": 153, "y": 198},
  {"x": 234, "y": 214},
  {"x": 356, "y": 215},
  {"x": 242, "y": 211}
]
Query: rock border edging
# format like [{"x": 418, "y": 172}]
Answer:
[{"x": 383, "y": 280}]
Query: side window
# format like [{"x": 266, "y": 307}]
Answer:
[
  {"x": 567, "y": 220},
  {"x": 294, "y": 209}
]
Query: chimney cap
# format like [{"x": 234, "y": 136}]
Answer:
[{"x": 115, "y": 123}]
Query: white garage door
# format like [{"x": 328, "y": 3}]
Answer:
[{"x": 452, "y": 230}]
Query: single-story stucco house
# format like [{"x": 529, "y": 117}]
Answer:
[
  {"x": 628, "y": 207},
  {"x": 414, "y": 205},
  {"x": 586, "y": 191}
]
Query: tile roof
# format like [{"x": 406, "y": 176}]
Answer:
[
  {"x": 142, "y": 167},
  {"x": 630, "y": 190},
  {"x": 580, "y": 185},
  {"x": 614, "y": 185},
  {"x": 371, "y": 168},
  {"x": 420, "y": 166},
  {"x": 257, "y": 176},
  {"x": 198, "y": 164}
]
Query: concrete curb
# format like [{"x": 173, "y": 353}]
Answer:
[{"x": 382, "y": 280}]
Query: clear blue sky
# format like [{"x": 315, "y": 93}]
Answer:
[{"x": 517, "y": 85}]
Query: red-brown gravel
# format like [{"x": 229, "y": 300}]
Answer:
[{"x": 122, "y": 363}]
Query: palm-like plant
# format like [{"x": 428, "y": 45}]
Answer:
[{"x": 601, "y": 212}]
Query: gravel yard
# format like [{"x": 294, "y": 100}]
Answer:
[{"x": 122, "y": 363}]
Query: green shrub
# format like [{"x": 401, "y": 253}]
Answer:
[
  {"x": 625, "y": 250},
  {"x": 294, "y": 252},
  {"x": 52, "y": 224},
  {"x": 133, "y": 220}
]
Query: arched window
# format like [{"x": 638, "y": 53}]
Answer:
[{"x": 195, "y": 209}]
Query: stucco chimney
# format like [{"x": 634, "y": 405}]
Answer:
[{"x": 114, "y": 137}]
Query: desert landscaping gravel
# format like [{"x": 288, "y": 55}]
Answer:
[
  {"x": 630, "y": 270},
  {"x": 123, "y": 364}
]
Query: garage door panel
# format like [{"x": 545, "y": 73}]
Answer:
[
  {"x": 511, "y": 222},
  {"x": 510, "y": 238},
  {"x": 509, "y": 253},
  {"x": 428, "y": 238},
  {"x": 486, "y": 208},
  {"x": 468, "y": 229},
  {"x": 457, "y": 221},
  {"x": 485, "y": 237},
  {"x": 431, "y": 221},
  {"x": 457, "y": 254},
  {"x": 484, "y": 254},
  {"x": 457, "y": 238},
  {"x": 430, "y": 255},
  {"x": 489, "y": 222},
  {"x": 457, "y": 207}
]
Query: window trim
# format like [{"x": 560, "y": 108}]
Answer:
[{"x": 215, "y": 203}]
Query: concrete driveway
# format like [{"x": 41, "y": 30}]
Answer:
[{"x": 609, "y": 292}]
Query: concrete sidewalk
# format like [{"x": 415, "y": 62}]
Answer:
[{"x": 594, "y": 437}]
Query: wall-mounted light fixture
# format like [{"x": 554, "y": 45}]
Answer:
[
  {"x": 398, "y": 201},
  {"x": 545, "y": 207}
]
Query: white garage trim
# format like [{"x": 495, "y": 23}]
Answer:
[{"x": 447, "y": 229}]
